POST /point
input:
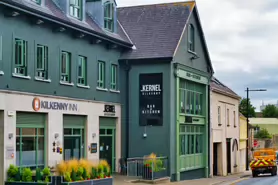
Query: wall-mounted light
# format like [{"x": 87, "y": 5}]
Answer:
[
  {"x": 56, "y": 135},
  {"x": 10, "y": 135},
  {"x": 94, "y": 135}
]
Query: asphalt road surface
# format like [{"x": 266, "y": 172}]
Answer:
[{"x": 261, "y": 180}]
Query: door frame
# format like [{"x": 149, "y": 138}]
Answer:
[
  {"x": 113, "y": 135},
  {"x": 83, "y": 153}
]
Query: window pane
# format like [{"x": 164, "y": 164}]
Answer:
[
  {"x": 102, "y": 131},
  {"x": 29, "y": 131},
  {"x": 192, "y": 103},
  {"x": 17, "y": 131},
  {"x": 199, "y": 143},
  {"x": 182, "y": 101},
  {"x": 40, "y": 150},
  {"x": 188, "y": 102},
  {"x": 80, "y": 66},
  {"x": 76, "y": 131},
  {"x": 182, "y": 145},
  {"x": 40, "y": 57},
  {"x": 41, "y": 131},
  {"x": 109, "y": 131},
  {"x": 28, "y": 151},
  {"x": 64, "y": 63},
  {"x": 67, "y": 131}
]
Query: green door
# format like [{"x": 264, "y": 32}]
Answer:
[
  {"x": 74, "y": 137},
  {"x": 107, "y": 141}
]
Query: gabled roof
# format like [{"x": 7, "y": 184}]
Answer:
[
  {"x": 155, "y": 30},
  {"x": 218, "y": 86},
  {"x": 53, "y": 11}
]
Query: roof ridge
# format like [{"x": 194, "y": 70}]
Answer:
[{"x": 180, "y": 2}]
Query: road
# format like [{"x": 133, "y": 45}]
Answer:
[{"x": 261, "y": 180}]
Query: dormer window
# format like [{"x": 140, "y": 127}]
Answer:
[
  {"x": 37, "y": 1},
  {"x": 191, "y": 38},
  {"x": 109, "y": 16},
  {"x": 75, "y": 8}
]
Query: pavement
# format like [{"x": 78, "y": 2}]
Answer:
[{"x": 228, "y": 180}]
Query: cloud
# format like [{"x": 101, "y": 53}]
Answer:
[{"x": 242, "y": 41}]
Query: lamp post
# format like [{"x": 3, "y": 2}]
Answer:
[{"x": 247, "y": 110}]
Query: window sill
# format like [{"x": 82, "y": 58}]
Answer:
[
  {"x": 42, "y": 80},
  {"x": 66, "y": 83},
  {"x": 192, "y": 52},
  {"x": 102, "y": 89},
  {"x": 2, "y": 73},
  {"x": 114, "y": 91},
  {"x": 20, "y": 76},
  {"x": 83, "y": 86}
]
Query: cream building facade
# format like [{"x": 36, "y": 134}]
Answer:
[
  {"x": 225, "y": 155},
  {"x": 45, "y": 130}
]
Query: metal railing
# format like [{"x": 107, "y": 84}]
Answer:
[{"x": 147, "y": 168}]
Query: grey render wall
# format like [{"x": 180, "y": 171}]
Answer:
[
  {"x": 182, "y": 55},
  {"x": 42, "y": 34},
  {"x": 157, "y": 140}
]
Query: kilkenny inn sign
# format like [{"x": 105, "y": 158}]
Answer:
[
  {"x": 150, "y": 99},
  {"x": 38, "y": 104}
]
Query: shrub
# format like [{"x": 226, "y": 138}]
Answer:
[
  {"x": 27, "y": 175},
  {"x": 73, "y": 175},
  {"x": 67, "y": 177},
  {"x": 61, "y": 168},
  {"x": 72, "y": 165},
  {"x": 12, "y": 173},
  {"x": 46, "y": 171}
]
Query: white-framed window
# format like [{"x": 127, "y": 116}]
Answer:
[
  {"x": 75, "y": 8},
  {"x": 219, "y": 115},
  {"x": 228, "y": 117},
  {"x": 191, "y": 38}
]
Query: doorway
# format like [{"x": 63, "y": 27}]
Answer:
[
  {"x": 215, "y": 159},
  {"x": 107, "y": 146},
  {"x": 228, "y": 147},
  {"x": 72, "y": 148}
]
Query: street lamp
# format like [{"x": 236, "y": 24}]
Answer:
[{"x": 247, "y": 110}]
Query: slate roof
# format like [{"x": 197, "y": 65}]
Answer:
[
  {"x": 155, "y": 30},
  {"x": 217, "y": 85},
  {"x": 53, "y": 10}
]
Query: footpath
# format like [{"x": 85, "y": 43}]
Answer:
[{"x": 228, "y": 180}]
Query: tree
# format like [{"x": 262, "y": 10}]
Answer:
[
  {"x": 262, "y": 134},
  {"x": 270, "y": 111},
  {"x": 243, "y": 108}
]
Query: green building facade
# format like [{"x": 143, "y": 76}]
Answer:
[{"x": 181, "y": 132}]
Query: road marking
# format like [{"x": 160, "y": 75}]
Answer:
[{"x": 239, "y": 180}]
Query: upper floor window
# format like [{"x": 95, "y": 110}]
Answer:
[
  {"x": 101, "y": 75},
  {"x": 20, "y": 67},
  {"x": 37, "y": 1},
  {"x": 75, "y": 8},
  {"x": 234, "y": 118},
  {"x": 109, "y": 16},
  {"x": 114, "y": 73},
  {"x": 65, "y": 67},
  {"x": 191, "y": 38},
  {"x": 191, "y": 98},
  {"x": 228, "y": 117},
  {"x": 219, "y": 115},
  {"x": 42, "y": 62},
  {"x": 82, "y": 70}
]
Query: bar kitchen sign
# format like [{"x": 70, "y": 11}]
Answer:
[
  {"x": 38, "y": 104},
  {"x": 151, "y": 99}
]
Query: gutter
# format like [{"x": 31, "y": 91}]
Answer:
[
  {"x": 225, "y": 93},
  {"x": 67, "y": 24}
]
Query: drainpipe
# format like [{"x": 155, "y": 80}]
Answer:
[
  {"x": 209, "y": 130},
  {"x": 127, "y": 108}
]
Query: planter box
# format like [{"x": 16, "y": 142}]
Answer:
[
  {"x": 149, "y": 175},
  {"x": 105, "y": 181},
  {"x": 60, "y": 181},
  {"x": 31, "y": 183}
]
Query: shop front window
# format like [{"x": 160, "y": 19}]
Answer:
[
  {"x": 191, "y": 98},
  {"x": 191, "y": 139},
  {"x": 30, "y": 147}
]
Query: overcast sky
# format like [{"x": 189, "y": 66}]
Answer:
[{"x": 242, "y": 38}]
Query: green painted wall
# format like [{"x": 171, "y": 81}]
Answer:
[
  {"x": 21, "y": 27},
  {"x": 183, "y": 56},
  {"x": 157, "y": 136}
]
